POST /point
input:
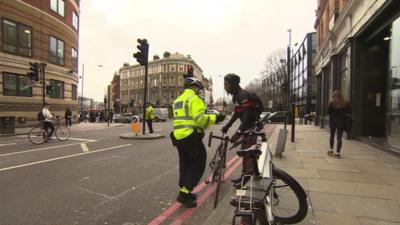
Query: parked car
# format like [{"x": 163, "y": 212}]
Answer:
[
  {"x": 123, "y": 118},
  {"x": 278, "y": 116},
  {"x": 264, "y": 114},
  {"x": 160, "y": 114},
  {"x": 116, "y": 116}
]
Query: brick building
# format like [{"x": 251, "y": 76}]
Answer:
[{"x": 43, "y": 31}]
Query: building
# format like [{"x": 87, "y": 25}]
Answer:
[
  {"x": 303, "y": 83},
  {"x": 115, "y": 102},
  {"x": 47, "y": 32},
  {"x": 165, "y": 81},
  {"x": 358, "y": 52}
]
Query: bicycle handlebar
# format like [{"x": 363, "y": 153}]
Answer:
[{"x": 211, "y": 136}]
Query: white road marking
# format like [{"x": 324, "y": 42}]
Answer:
[
  {"x": 7, "y": 144},
  {"x": 80, "y": 139},
  {"x": 63, "y": 157},
  {"x": 84, "y": 147},
  {"x": 38, "y": 149}
]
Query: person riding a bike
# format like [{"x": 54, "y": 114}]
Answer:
[
  {"x": 48, "y": 120},
  {"x": 248, "y": 107}
]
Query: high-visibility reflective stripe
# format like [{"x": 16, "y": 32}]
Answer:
[
  {"x": 183, "y": 118},
  {"x": 187, "y": 105},
  {"x": 199, "y": 116},
  {"x": 207, "y": 122},
  {"x": 187, "y": 126}
]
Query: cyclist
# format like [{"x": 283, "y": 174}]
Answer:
[
  {"x": 48, "y": 120},
  {"x": 248, "y": 107},
  {"x": 190, "y": 120}
]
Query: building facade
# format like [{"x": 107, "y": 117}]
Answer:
[
  {"x": 358, "y": 53},
  {"x": 45, "y": 31},
  {"x": 115, "y": 99},
  {"x": 165, "y": 81}
]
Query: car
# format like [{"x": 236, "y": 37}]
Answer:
[
  {"x": 116, "y": 116},
  {"x": 124, "y": 118},
  {"x": 264, "y": 114},
  {"x": 278, "y": 116},
  {"x": 160, "y": 114}
]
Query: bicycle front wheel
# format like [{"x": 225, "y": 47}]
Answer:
[
  {"x": 62, "y": 133},
  {"x": 290, "y": 200},
  {"x": 37, "y": 135}
]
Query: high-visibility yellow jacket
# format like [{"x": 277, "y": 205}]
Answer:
[
  {"x": 189, "y": 112},
  {"x": 149, "y": 113}
]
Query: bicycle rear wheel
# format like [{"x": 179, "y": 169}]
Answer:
[
  {"x": 290, "y": 200},
  {"x": 62, "y": 133},
  {"x": 37, "y": 135}
]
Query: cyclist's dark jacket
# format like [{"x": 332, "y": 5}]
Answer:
[{"x": 248, "y": 107}]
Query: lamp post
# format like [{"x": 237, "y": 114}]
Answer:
[
  {"x": 82, "y": 82},
  {"x": 223, "y": 94}
]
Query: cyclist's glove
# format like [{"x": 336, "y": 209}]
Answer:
[{"x": 220, "y": 117}]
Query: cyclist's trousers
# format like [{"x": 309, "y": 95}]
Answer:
[
  {"x": 49, "y": 125},
  {"x": 192, "y": 160}
]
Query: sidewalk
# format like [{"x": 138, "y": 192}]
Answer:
[
  {"x": 74, "y": 127},
  {"x": 360, "y": 188}
]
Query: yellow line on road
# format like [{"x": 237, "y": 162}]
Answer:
[
  {"x": 63, "y": 157},
  {"x": 84, "y": 147}
]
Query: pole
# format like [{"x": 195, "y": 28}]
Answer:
[
  {"x": 145, "y": 97},
  {"x": 293, "y": 122},
  {"x": 83, "y": 76},
  {"x": 42, "y": 70}
]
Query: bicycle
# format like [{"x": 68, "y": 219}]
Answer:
[
  {"x": 266, "y": 200},
  {"x": 218, "y": 163},
  {"x": 38, "y": 134}
]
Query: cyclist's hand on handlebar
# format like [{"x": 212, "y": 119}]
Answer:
[
  {"x": 220, "y": 117},
  {"x": 225, "y": 129},
  {"x": 235, "y": 137}
]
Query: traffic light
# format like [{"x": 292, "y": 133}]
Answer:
[
  {"x": 49, "y": 89},
  {"x": 189, "y": 71},
  {"x": 142, "y": 55},
  {"x": 34, "y": 71}
]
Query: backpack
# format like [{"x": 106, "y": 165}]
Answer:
[{"x": 40, "y": 116}]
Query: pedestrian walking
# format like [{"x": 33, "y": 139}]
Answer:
[
  {"x": 68, "y": 117},
  {"x": 190, "y": 121},
  {"x": 149, "y": 116},
  {"x": 110, "y": 116},
  {"x": 339, "y": 112}
]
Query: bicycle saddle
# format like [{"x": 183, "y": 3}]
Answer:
[{"x": 253, "y": 153}]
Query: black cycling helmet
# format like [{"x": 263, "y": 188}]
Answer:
[
  {"x": 232, "y": 79},
  {"x": 191, "y": 81}
]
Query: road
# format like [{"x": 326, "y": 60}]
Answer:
[{"x": 96, "y": 178}]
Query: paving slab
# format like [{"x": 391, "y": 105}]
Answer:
[
  {"x": 334, "y": 187},
  {"x": 380, "y": 191},
  {"x": 329, "y": 218},
  {"x": 351, "y": 177}
]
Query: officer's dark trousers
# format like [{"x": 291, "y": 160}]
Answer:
[
  {"x": 150, "y": 125},
  {"x": 192, "y": 160}
]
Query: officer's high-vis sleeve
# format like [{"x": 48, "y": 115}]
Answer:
[{"x": 200, "y": 117}]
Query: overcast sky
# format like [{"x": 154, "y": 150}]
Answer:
[{"x": 222, "y": 36}]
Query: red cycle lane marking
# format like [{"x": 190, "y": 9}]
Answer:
[
  {"x": 171, "y": 210},
  {"x": 187, "y": 213}
]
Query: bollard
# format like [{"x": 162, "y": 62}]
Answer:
[
  {"x": 135, "y": 126},
  {"x": 280, "y": 146}
]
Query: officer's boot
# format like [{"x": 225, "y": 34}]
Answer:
[{"x": 186, "y": 200}]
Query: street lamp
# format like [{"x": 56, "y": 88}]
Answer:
[
  {"x": 82, "y": 81},
  {"x": 223, "y": 94}
]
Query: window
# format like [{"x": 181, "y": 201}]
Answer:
[
  {"x": 75, "y": 60},
  {"x": 56, "y": 51},
  {"x": 17, "y": 38},
  {"x": 58, "y": 6},
  {"x": 74, "y": 92},
  {"x": 57, "y": 88},
  {"x": 74, "y": 20},
  {"x": 16, "y": 85},
  {"x": 172, "y": 80}
]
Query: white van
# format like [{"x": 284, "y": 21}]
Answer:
[{"x": 160, "y": 114}]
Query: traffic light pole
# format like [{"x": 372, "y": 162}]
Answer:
[
  {"x": 145, "y": 97},
  {"x": 43, "y": 71}
]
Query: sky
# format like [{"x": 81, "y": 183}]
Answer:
[{"x": 222, "y": 36}]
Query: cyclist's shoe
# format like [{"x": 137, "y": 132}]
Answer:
[
  {"x": 186, "y": 200},
  {"x": 237, "y": 180}
]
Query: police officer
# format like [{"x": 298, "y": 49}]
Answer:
[
  {"x": 248, "y": 107},
  {"x": 149, "y": 116},
  {"x": 190, "y": 120}
]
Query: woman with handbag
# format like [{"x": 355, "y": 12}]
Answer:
[{"x": 339, "y": 113}]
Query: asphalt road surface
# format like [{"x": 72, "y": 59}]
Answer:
[{"x": 97, "y": 178}]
